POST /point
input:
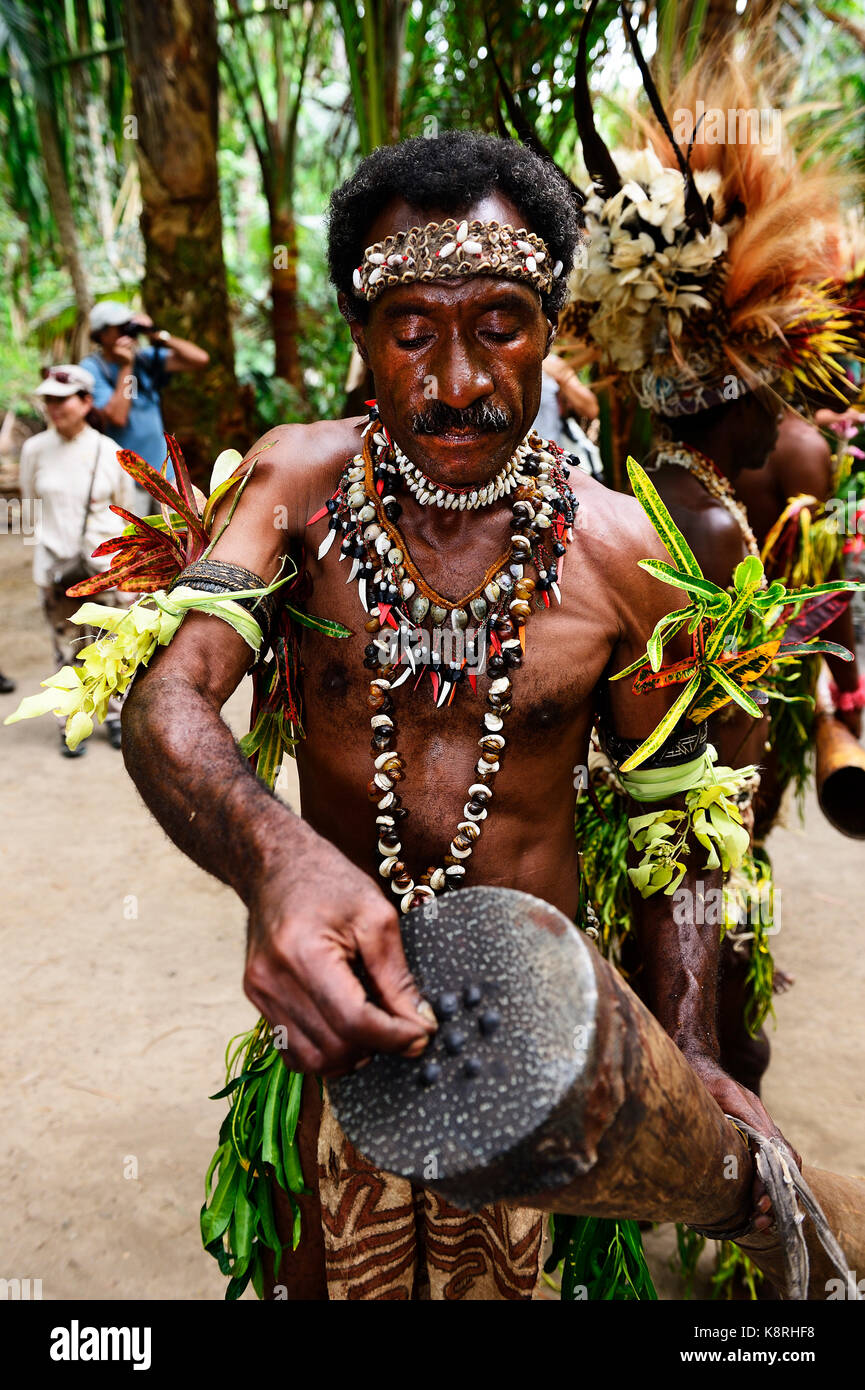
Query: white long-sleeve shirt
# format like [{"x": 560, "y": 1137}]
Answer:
[{"x": 55, "y": 473}]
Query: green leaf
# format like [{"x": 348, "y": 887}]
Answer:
[
  {"x": 292, "y": 1109},
  {"x": 810, "y": 648},
  {"x": 216, "y": 1217},
  {"x": 634, "y": 666},
  {"x": 328, "y": 626},
  {"x": 243, "y": 1231},
  {"x": 665, "y": 628},
  {"x": 650, "y": 500},
  {"x": 236, "y": 1286},
  {"x": 290, "y": 1152},
  {"x": 730, "y": 623},
  {"x": 214, "y": 1163},
  {"x": 232, "y": 1086},
  {"x": 837, "y": 586},
  {"x": 660, "y": 733},
  {"x": 264, "y": 1203},
  {"x": 270, "y": 1139},
  {"x": 734, "y": 691},
  {"x": 748, "y": 574},
  {"x": 691, "y": 584}
]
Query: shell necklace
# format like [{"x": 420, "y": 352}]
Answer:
[
  {"x": 543, "y": 513},
  {"x": 432, "y": 494},
  {"x": 701, "y": 467}
]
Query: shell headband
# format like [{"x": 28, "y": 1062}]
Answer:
[{"x": 446, "y": 250}]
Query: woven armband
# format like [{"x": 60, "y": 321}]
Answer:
[
  {"x": 233, "y": 583},
  {"x": 711, "y": 816}
]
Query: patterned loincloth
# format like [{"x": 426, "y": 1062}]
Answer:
[{"x": 386, "y": 1239}]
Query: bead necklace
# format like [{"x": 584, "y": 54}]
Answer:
[
  {"x": 431, "y": 494},
  {"x": 543, "y": 514},
  {"x": 390, "y": 769},
  {"x": 712, "y": 479}
]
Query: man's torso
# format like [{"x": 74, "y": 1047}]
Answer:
[{"x": 527, "y": 840}]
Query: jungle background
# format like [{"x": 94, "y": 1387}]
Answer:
[{"x": 180, "y": 155}]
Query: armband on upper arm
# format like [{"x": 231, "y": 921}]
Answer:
[
  {"x": 712, "y": 816},
  {"x": 233, "y": 582}
]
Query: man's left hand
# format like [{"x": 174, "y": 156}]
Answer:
[{"x": 742, "y": 1104}]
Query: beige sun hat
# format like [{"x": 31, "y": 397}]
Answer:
[{"x": 66, "y": 380}]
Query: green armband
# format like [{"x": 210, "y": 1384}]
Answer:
[
  {"x": 660, "y": 783},
  {"x": 127, "y": 639},
  {"x": 711, "y": 815}
]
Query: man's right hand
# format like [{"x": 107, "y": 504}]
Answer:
[
  {"x": 124, "y": 349},
  {"x": 309, "y": 923}
]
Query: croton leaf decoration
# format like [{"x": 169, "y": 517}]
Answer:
[{"x": 737, "y": 635}]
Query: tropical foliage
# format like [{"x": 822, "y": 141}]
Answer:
[{"x": 731, "y": 632}]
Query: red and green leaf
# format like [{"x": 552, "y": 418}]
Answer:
[{"x": 162, "y": 490}]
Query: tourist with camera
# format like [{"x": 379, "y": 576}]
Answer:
[
  {"x": 129, "y": 379},
  {"x": 70, "y": 471}
]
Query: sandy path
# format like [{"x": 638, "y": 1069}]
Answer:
[{"x": 120, "y": 971}]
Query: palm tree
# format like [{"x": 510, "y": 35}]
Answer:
[
  {"x": 32, "y": 40},
  {"x": 268, "y": 66},
  {"x": 173, "y": 62}
]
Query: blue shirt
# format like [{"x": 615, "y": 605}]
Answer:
[{"x": 143, "y": 431}]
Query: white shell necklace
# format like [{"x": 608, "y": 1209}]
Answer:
[{"x": 432, "y": 494}]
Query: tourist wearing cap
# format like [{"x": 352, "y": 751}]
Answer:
[
  {"x": 129, "y": 379},
  {"x": 71, "y": 472}
]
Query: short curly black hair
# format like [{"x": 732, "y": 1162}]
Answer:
[{"x": 451, "y": 171}]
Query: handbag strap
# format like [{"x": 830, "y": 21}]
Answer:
[{"x": 89, "y": 496}]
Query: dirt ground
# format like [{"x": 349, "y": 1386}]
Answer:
[{"x": 120, "y": 974}]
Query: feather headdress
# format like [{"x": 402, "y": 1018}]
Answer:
[{"x": 710, "y": 246}]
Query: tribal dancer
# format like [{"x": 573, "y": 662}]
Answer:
[
  {"x": 804, "y": 505},
  {"x": 480, "y": 595},
  {"x": 699, "y": 289}
]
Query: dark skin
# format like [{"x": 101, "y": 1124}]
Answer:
[
  {"x": 801, "y": 462},
  {"x": 315, "y": 902}
]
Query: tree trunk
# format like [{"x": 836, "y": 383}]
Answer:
[
  {"x": 61, "y": 203},
  {"x": 721, "y": 19},
  {"x": 172, "y": 58},
  {"x": 283, "y": 289}
]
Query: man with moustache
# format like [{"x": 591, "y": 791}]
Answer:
[{"x": 450, "y": 257}]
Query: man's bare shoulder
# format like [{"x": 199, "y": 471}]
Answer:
[
  {"x": 302, "y": 454},
  {"x": 801, "y": 461},
  {"x": 715, "y": 538},
  {"x": 612, "y": 525},
  {"x": 295, "y": 469}
]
